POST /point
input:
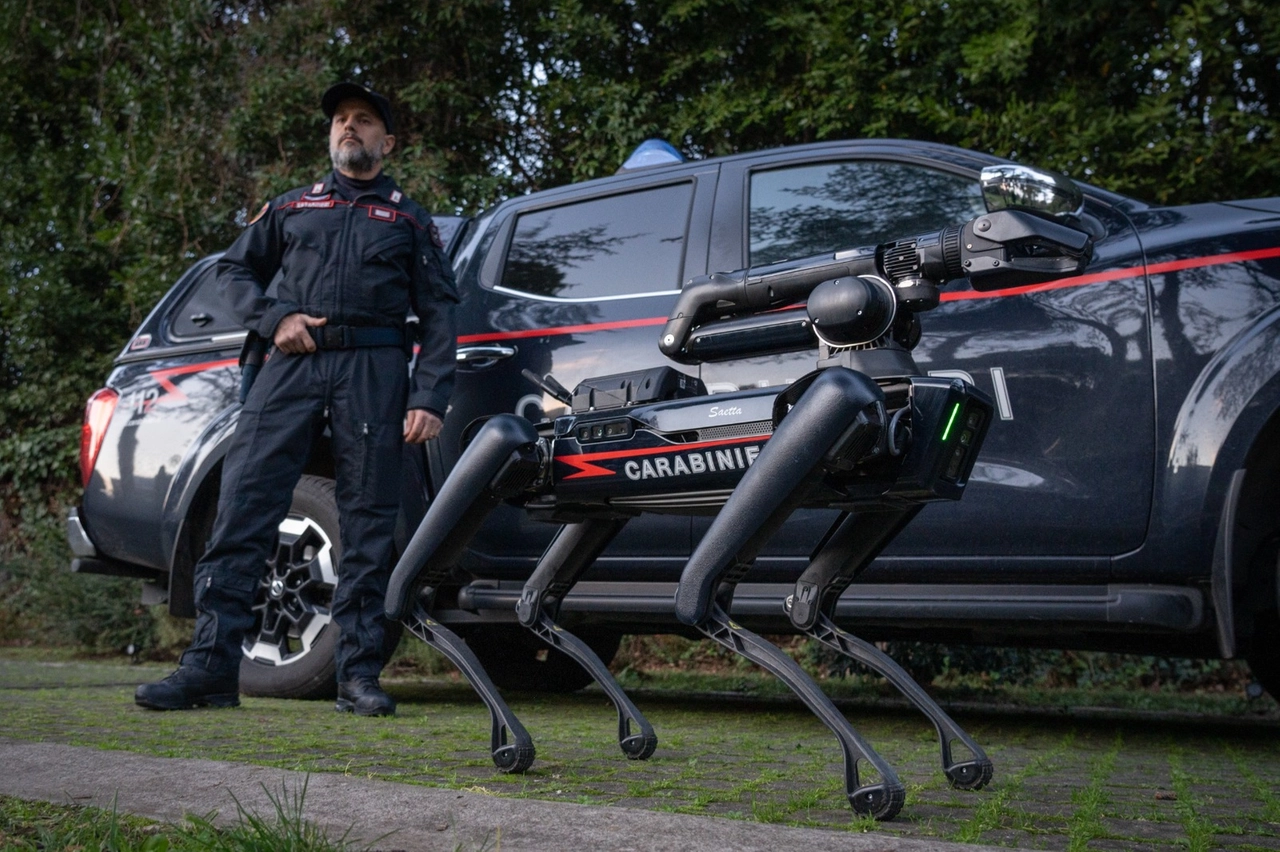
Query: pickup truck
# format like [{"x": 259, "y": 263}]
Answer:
[{"x": 1127, "y": 497}]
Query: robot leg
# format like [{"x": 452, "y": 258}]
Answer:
[
  {"x": 500, "y": 462},
  {"x": 840, "y": 412},
  {"x": 570, "y": 553},
  {"x": 853, "y": 542}
]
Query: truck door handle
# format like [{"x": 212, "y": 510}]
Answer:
[{"x": 479, "y": 357}]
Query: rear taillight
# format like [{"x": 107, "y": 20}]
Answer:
[{"x": 97, "y": 414}]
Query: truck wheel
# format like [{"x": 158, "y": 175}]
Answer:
[
  {"x": 289, "y": 651},
  {"x": 1264, "y": 647},
  {"x": 517, "y": 659}
]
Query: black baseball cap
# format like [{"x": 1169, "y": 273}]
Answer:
[{"x": 341, "y": 91}]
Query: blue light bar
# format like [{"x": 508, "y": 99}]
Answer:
[{"x": 652, "y": 152}]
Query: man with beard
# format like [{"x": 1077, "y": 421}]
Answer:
[{"x": 354, "y": 255}]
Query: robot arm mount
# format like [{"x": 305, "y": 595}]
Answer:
[{"x": 995, "y": 250}]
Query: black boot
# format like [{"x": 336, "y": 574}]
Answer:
[
  {"x": 364, "y": 697},
  {"x": 190, "y": 687}
]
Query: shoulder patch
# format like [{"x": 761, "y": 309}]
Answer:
[
  {"x": 261, "y": 213},
  {"x": 396, "y": 195},
  {"x": 435, "y": 235},
  {"x": 317, "y": 188}
]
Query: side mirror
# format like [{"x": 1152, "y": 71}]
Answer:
[{"x": 1017, "y": 187}]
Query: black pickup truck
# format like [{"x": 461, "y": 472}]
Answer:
[{"x": 1126, "y": 497}]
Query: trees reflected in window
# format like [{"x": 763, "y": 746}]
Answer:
[
  {"x": 822, "y": 207},
  {"x": 618, "y": 245}
]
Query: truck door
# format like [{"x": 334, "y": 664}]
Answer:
[
  {"x": 1067, "y": 467},
  {"x": 576, "y": 284}
]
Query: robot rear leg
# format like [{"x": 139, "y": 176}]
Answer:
[{"x": 570, "y": 553}]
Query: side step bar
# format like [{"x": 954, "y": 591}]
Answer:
[{"x": 1117, "y": 605}]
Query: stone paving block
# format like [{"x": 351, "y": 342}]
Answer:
[
  {"x": 1146, "y": 831},
  {"x": 1243, "y": 844},
  {"x": 1110, "y": 845},
  {"x": 1045, "y": 812}
]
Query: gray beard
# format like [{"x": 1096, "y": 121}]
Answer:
[{"x": 359, "y": 160}]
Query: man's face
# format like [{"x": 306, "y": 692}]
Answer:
[{"x": 358, "y": 139}]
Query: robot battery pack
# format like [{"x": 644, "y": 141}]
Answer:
[{"x": 624, "y": 389}]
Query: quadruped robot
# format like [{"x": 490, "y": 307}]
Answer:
[{"x": 864, "y": 433}]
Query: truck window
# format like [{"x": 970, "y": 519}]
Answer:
[
  {"x": 202, "y": 313},
  {"x": 815, "y": 208},
  {"x": 627, "y": 244}
]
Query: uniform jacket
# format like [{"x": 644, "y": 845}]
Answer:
[{"x": 364, "y": 261}]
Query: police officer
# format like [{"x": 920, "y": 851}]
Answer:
[{"x": 355, "y": 255}]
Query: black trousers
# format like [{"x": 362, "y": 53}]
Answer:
[{"x": 361, "y": 393}]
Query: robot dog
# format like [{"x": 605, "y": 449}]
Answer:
[{"x": 864, "y": 433}]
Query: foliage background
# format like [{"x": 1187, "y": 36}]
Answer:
[{"x": 136, "y": 134}]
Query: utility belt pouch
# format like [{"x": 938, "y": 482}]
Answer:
[
  {"x": 252, "y": 354},
  {"x": 411, "y": 331}
]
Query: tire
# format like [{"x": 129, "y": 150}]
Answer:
[
  {"x": 1263, "y": 653},
  {"x": 517, "y": 659},
  {"x": 289, "y": 651}
]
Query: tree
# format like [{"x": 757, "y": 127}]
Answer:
[
  {"x": 111, "y": 188},
  {"x": 138, "y": 134},
  {"x": 1171, "y": 101}
]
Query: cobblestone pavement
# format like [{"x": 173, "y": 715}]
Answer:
[{"x": 1064, "y": 779}]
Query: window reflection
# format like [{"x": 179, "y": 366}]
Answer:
[
  {"x": 817, "y": 208},
  {"x": 632, "y": 243},
  {"x": 204, "y": 312}
]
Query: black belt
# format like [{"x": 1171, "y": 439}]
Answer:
[{"x": 355, "y": 336}]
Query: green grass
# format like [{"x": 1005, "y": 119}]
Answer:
[
  {"x": 730, "y": 745},
  {"x": 1200, "y": 831},
  {"x": 35, "y": 826},
  {"x": 1265, "y": 792},
  {"x": 672, "y": 663},
  {"x": 27, "y": 826},
  {"x": 1090, "y": 802}
]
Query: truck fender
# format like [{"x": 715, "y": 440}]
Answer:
[
  {"x": 1229, "y": 406},
  {"x": 203, "y": 456}
]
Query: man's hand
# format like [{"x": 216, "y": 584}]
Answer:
[
  {"x": 291, "y": 334},
  {"x": 420, "y": 425}
]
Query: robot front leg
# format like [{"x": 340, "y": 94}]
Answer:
[
  {"x": 971, "y": 774},
  {"x": 570, "y": 553},
  {"x": 838, "y": 417},
  {"x": 881, "y": 801},
  {"x": 500, "y": 462},
  {"x": 509, "y": 743},
  {"x": 850, "y": 546}
]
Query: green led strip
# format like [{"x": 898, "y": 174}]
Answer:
[{"x": 951, "y": 422}]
